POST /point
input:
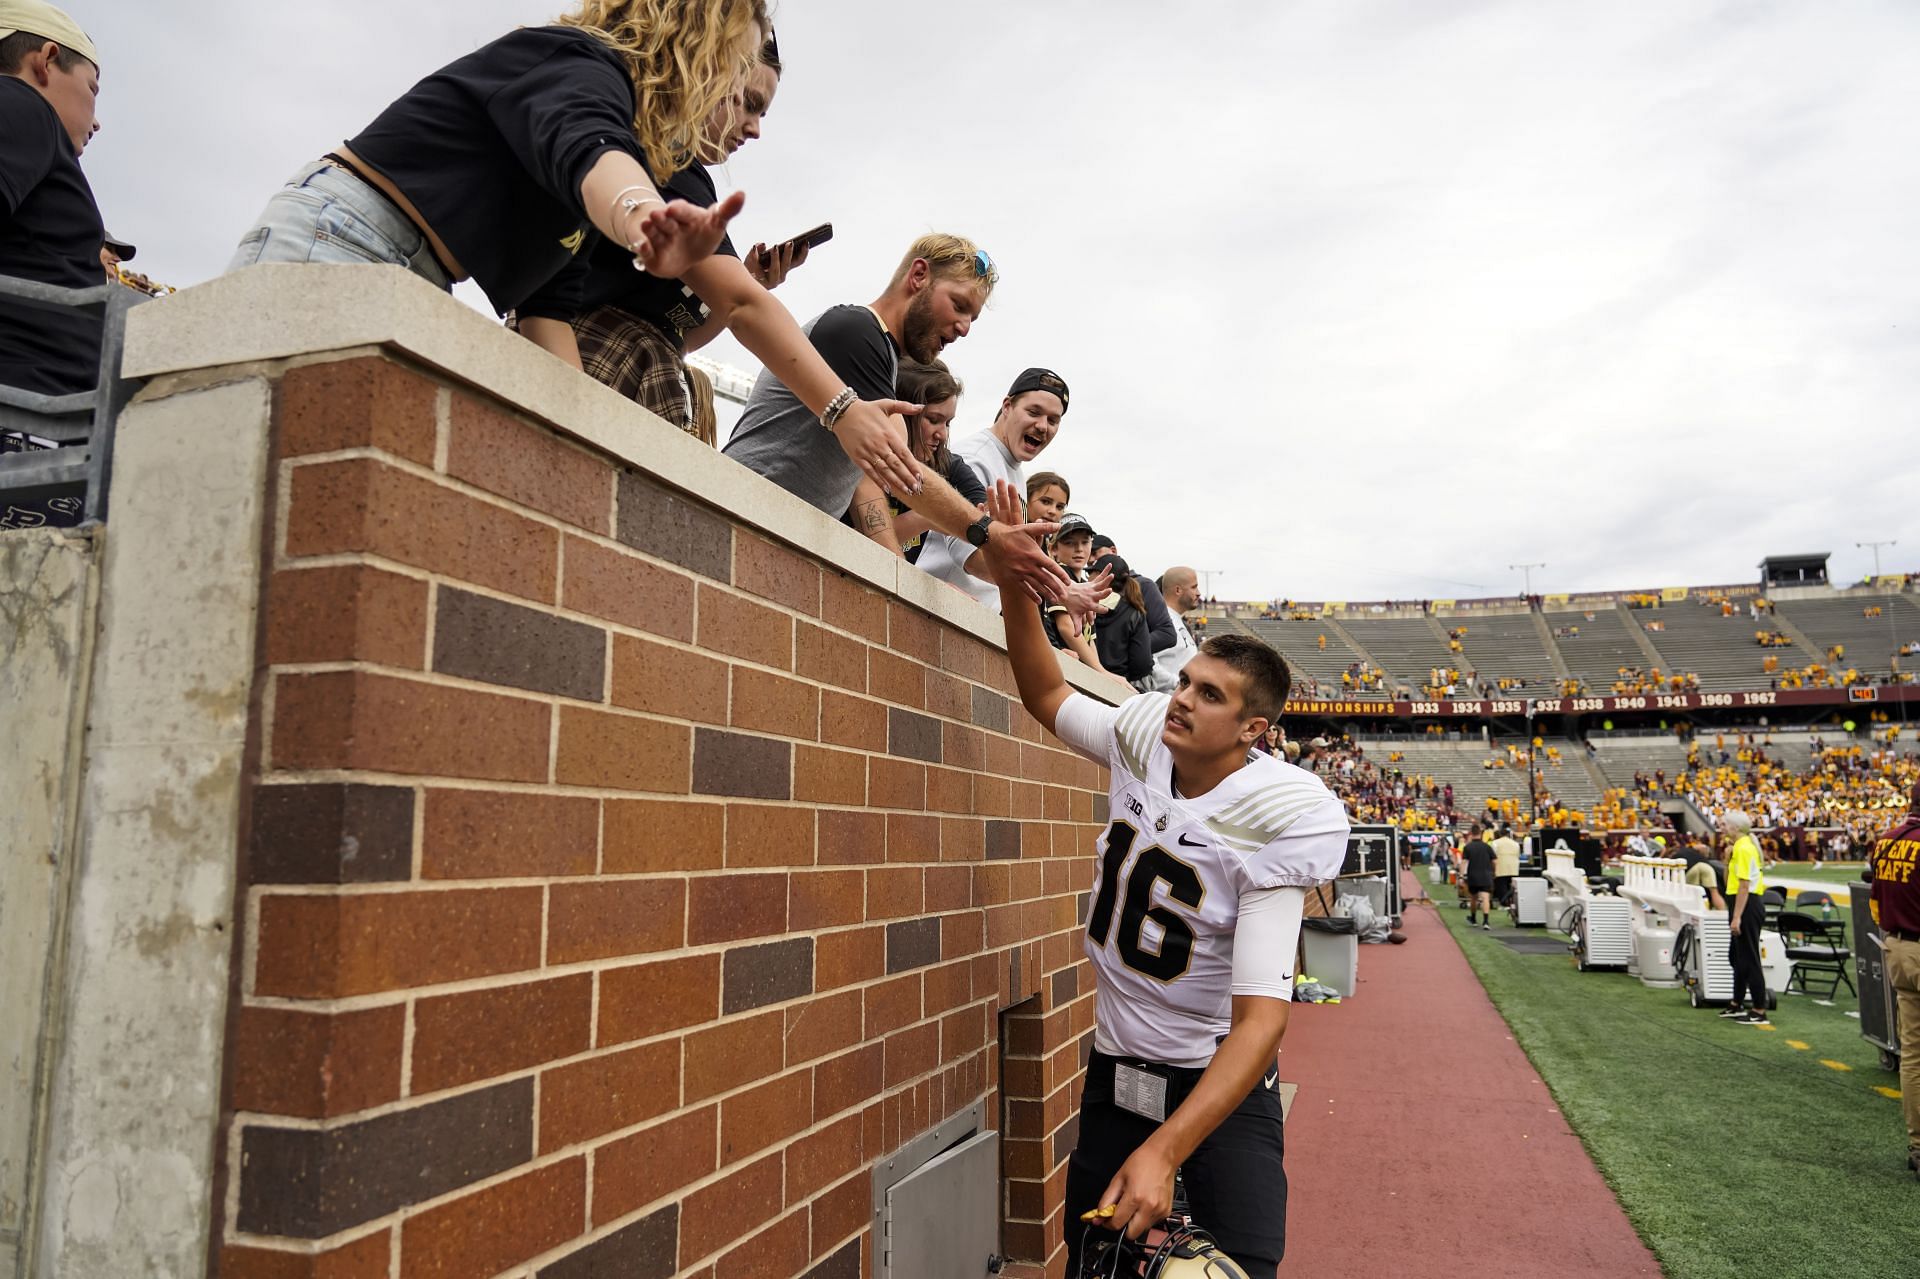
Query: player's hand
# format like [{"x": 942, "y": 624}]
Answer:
[
  {"x": 1014, "y": 557},
  {"x": 671, "y": 239},
  {"x": 771, "y": 266},
  {"x": 876, "y": 442},
  {"x": 1082, "y": 599},
  {"x": 1141, "y": 1193}
]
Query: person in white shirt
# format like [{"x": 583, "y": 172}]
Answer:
[
  {"x": 1181, "y": 587},
  {"x": 1192, "y": 925},
  {"x": 1028, "y": 420}
]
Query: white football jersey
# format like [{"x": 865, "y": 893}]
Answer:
[{"x": 1166, "y": 894}]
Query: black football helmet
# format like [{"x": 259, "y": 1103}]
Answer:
[{"x": 1172, "y": 1250}]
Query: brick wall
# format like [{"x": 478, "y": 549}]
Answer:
[{"x": 619, "y": 883}]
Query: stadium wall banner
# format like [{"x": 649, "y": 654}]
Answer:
[{"x": 1478, "y": 708}]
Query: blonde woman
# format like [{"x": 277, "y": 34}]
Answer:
[{"x": 503, "y": 164}]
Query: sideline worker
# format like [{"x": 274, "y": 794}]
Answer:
[{"x": 1895, "y": 903}]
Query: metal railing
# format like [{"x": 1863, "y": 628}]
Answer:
[{"x": 80, "y": 424}]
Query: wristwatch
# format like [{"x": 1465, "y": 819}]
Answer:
[{"x": 977, "y": 531}]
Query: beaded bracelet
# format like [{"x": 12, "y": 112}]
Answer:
[{"x": 837, "y": 407}]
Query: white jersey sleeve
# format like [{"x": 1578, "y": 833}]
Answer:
[
  {"x": 1291, "y": 832},
  {"x": 1085, "y": 726},
  {"x": 1265, "y": 938}
]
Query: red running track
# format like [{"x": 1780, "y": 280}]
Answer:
[{"x": 1422, "y": 1141}]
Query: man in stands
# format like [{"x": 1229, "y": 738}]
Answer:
[
  {"x": 1895, "y": 903},
  {"x": 1192, "y": 924},
  {"x": 1747, "y": 918},
  {"x": 1180, "y": 586},
  {"x": 50, "y": 227},
  {"x": 1028, "y": 420},
  {"x": 939, "y": 288}
]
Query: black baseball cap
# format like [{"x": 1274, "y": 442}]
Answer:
[
  {"x": 1071, "y": 524},
  {"x": 1039, "y": 380},
  {"x": 1100, "y": 540},
  {"x": 121, "y": 248}
]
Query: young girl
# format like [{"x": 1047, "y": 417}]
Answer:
[{"x": 504, "y": 164}]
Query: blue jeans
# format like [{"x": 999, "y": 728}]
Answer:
[{"x": 326, "y": 214}]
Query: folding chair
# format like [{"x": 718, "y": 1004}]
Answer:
[{"x": 1815, "y": 946}]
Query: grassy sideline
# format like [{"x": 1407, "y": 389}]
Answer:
[{"x": 1733, "y": 1152}]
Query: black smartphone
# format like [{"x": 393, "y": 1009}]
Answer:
[{"x": 812, "y": 239}]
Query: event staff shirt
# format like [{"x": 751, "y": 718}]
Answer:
[
  {"x": 492, "y": 149},
  {"x": 50, "y": 232},
  {"x": 1743, "y": 863},
  {"x": 1896, "y": 878},
  {"x": 780, "y": 437},
  {"x": 603, "y": 275}
]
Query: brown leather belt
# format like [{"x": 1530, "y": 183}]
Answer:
[{"x": 339, "y": 161}]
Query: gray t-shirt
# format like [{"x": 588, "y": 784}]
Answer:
[{"x": 780, "y": 437}]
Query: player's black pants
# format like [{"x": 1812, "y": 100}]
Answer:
[
  {"x": 1749, "y": 978},
  {"x": 1235, "y": 1180}
]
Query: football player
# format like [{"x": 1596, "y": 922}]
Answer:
[{"x": 1192, "y": 927}]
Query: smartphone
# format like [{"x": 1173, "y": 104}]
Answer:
[{"x": 812, "y": 239}]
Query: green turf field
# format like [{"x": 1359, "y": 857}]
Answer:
[
  {"x": 1735, "y": 1151},
  {"x": 1831, "y": 873}
]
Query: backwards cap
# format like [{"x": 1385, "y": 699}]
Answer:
[{"x": 37, "y": 17}]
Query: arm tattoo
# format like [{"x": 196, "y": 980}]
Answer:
[{"x": 873, "y": 515}]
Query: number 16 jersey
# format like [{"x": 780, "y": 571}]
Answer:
[{"x": 1172, "y": 871}]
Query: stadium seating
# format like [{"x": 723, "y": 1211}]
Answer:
[
  {"x": 1720, "y": 650},
  {"x": 1506, "y": 646},
  {"x": 1407, "y": 648},
  {"x": 1462, "y": 763},
  {"x": 1620, "y": 756},
  {"x": 1869, "y": 641},
  {"x": 1605, "y": 644},
  {"x": 1299, "y": 643}
]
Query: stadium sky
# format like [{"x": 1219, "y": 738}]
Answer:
[{"x": 1356, "y": 300}]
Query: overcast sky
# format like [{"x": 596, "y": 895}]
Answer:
[{"x": 1355, "y": 300}]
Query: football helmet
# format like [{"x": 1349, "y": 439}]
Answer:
[{"x": 1172, "y": 1250}]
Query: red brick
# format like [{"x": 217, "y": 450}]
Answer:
[
  {"x": 494, "y": 835},
  {"x": 842, "y": 959},
  {"x": 379, "y": 723},
  {"x": 367, "y": 1257},
  {"x": 458, "y": 1039},
  {"x": 775, "y": 573},
  {"x": 641, "y": 1000},
  {"x": 760, "y": 835},
  {"x": 669, "y": 681},
  {"x": 948, "y": 888},
  {"x": 346, "y": 612},
  {"x": 822, "y": 1025},
  {"x": 852, "y": 839},
  {"x": 738, "y": 627},
  {"x": 366, "y": 402},
  {"x": 768, "y": 703},
  {"x": 615, "y": 917},
  {"x": 765, "y": 1114},
  {"x": 633, "y": 1171},
  {"x": 852, "y": 721},
  {"x": 780, "y": 1249},
  {"x": 643, "y": 836},
  {"x": 848, "y": 1081},
  {"x": 361, "y": 505},
  {"x": 895, "y": 679},
  {"x": 894, "y": 892},
  {"x": 733, "y": 1053},
  {"x": 825, "y": 899},
  {"x": 716, "y": 1215},
  {"x": 949, "y": 697},
  {"x": 828, "y": 657},
  {"x": 330, "y": 947},
  {"x": 529, "y": 465},
  {"x": 853, "y": 606},
  {"x": 962, "y": 839},
  {"x": 607, "y": 583},
  {"x": 821, "y": 1158},
  {"x": 945, "y": 987},
  {"x": 963, "y": 747},
  {"x": 623, "y": 752},
  {"x": 962, "y": 933},
  {"x": 583, "y": 1099},
  {"x": 823, "y": 776},
  {"x": 842, "y": 1213},
  {"x": 891, "y": 1005},
  {"x": 896, "y": 783},
  {"x": 730, "y": 907},
  {"x": 485, "y": 1232},
  {"x": 317, "y": 1065},
  {"x": 912, "y": 1053},
  {"x": 913, "y": 633},
  {"x": 912, "y": 838}
]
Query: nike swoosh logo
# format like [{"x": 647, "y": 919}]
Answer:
[
  {"x": 1191, "y": 843},
  {"x": 1272, "y": 1081}
]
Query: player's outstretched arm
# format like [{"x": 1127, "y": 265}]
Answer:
[{"x": 1035, "y": 668}]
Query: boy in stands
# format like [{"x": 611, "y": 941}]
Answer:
[{"x": 1194, "y": 918}]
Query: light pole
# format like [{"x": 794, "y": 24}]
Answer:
[
  {"x": 1891, "y": 541},
  {"x": 1206, "y": 579},
  {"x": 1527, "y": 570}
]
